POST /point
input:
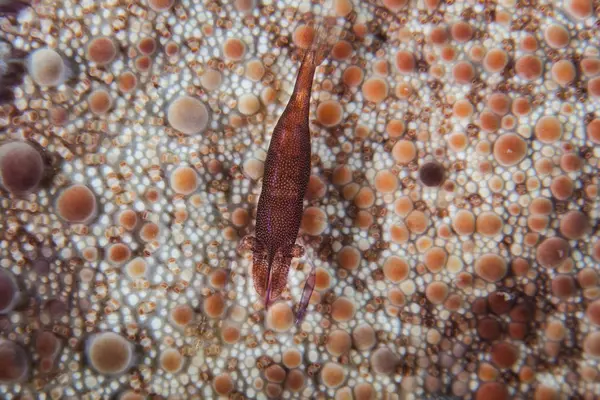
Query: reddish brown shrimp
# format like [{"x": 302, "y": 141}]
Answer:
[{"x": 287, "y": 170}]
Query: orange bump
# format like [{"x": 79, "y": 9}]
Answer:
[
  {"x": 489, "y": 122},
  {"x": 492, "y": 390},
  {"x": 136, "y": 268},
  {"x": 438, "y": 35},
  {"x": 365, "y": 198},
  {"x": 303, "y": 36},
  {"x": 395, "y": 128},
  {"x": 182, "y": 315},
  {"x": 435, "y": 259},
  {"x": 461, "y": 31},
  {"x": 499, "y": 103},
  {"x": 403, "y": 206},
  {"x": 329, "y": 113},
  {"x": 529, "y": 44},
  {"x": 316, "y": 188},
  {"x": 127, "y": 82},
  {"x": 214, "y": 305},
  {"x": 458, "y": 141},
  {"x": 404, "y": 151},
  {"x": 234, "y": 49},
  {"x": 101, "y": 50},
  {"x": 349, "y": 258},
  {"x": 223, "y": 384},
  {"x": 557, "y": 36},
  {"x": 464, "y": 222},
  {"x": 417, "y": 222},
  {"x": 291, "y": 358},
  {"x": 338, "y": 342},
  {"x": 342, "y": 50},
  {"x": 314, "y": 221},
  {"x": 521, "y": 106},
  {"x": 147, "y": 45},
  {"x": 143, "y": 63},
  {"x": 109, "y": 353},
  {"x": 375, "y": 90},
  {"x": 395, "y": 269},
  {"x": 161, "y": 5},
  {"x": 295, "y": 380},
  {"x": 562, "y": 187},
  {"x": 187, "y": 115},
  {"x": 218, "y": 278},
  {"x": 240, "y": 217},
  {"x": 548, "y": 129},
  {"x": 280, "y": 317},
  {"x": 491, "y": 267},
  {"x": 579, "y": 9},
  {"x": 504, "y": 354},
  {"x": 386, "y": 181},
  {"x": 590, "y": 66},
  {"x": 211, "y": 79},
  {"x": 541, "y": 206},
  {"x": 342, "y": 7},
  {"x": 509, "y": 149},
  {"x": 529, "y": 67},
  {"x": 353, "y": 76},
  {"x": 463, "y": 72},
  {"x": 184, "y": 180},
  {"x": 99, "y": 101},
  {"x": 118, "y": 253},
  {"x": 593, "y": 131},
  {"x": 76, "y": 204},
  {"x": 171, "y": 360},
  {"x": 342, "y": 309},
  {"x": 149, "y": 232},
  {"x": 333, "y": 375},
  {"x": 342, "y": 175},
  {"x": 593, "y": 87},
  {"x": 489, "y": 224},
  {"x": 495, "y": 60},
  {"x": 436, "y": 292},
  {"x": 405, "y": 61},
  {"x": 322, "y": 279},
  {"x": 563, "y": 72},
  {"x": 399, "y": 234},
  {"x": 462, "y": 109}
]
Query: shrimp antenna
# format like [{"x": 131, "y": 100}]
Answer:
[{"x": 307, "y": 291}]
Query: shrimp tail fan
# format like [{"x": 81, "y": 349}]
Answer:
[{"x": 309, "y": 286}]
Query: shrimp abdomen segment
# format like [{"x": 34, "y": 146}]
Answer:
[{"x": 280, "y": 207}]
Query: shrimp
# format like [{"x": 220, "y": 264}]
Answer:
[{"x": 287, "y": 170}]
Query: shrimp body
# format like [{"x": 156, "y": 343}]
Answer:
[{"x": 280, "y": 206}]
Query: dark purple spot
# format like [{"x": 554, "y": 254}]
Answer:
[
  {"x": 8, "y": 290},
  {"x": 41, "y": 267},
  {"x": 432, "y": 174},
  {"x": 21, "y": 167},
  {"x": 6, "y": 95},
  {"x": 55, "y": 308},
  {"x": 13, "y": 362},
  {"x": 12, "y": 7}
]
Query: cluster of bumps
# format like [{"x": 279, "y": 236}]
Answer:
[{"x": 452, "y": 211}]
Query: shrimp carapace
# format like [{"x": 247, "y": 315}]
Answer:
[{"x": 287, "y": 170}]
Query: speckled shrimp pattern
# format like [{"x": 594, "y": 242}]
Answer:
[
  {"x": 450, "y": 212},
  {"x": 281, "y": 201}
]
